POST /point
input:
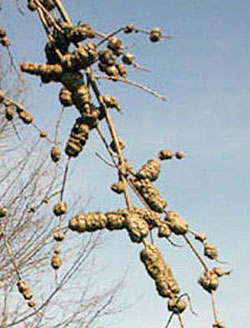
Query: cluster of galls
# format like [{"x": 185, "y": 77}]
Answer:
[
  {"x": 176, "y": 223},
  {"x": 24, "y": 289},
  {"x": 138, "y": 222},
  {"x": 78, "y": 138},
  {"x": 144, "y": 186},
  {"x": 162, "y": 275},
  {"x": 149, "y": 173},
  {"x": 173, "y": 223},
  {"x": 150, "y": 170},
  {"x": 210, "y": 280},
  {"x": 12, "y": 108},
  {"x": 4, "y": 41},
  {"x": 64, "y": 66},
  {"x": 150, "y": 194},
  {"x": 107, "y": 59}
]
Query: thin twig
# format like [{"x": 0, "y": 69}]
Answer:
[
  {"x": 134, "y": 84},
  {"x": 195, "y": 252},
  {"x": 101, "y": 135},
  {"x": 10, "y": 253},
  {"x": 140, "y": 30},
  {"x": 65, "y": 178},
  {"x": 169, "y": 320},
  {"x": 214, "y": 306},
  {"x": 16, "y": 131},
  {"x": 104, "y": 160},
  {"x": 114, "y": 137},
  {"x": 141, "y": 68},
  {"x": 109, "y": 35},
  {"x": 47, "y": 13},
  {"x": 58, "y": 124},
  {"x": 62, "y": 11},
  {"x": 181, "y": 321}
]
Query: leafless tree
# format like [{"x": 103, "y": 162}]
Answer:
[{"x": 32, "y": 184}]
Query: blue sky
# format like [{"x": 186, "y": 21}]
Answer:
[{"x": 204, "y": 72}]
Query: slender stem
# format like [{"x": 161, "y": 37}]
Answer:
[
  {"x": 64, "y": 178},
  {"x": 101, "y": 135},
  {"x": 39, "y": 130},
  {"x": 181, "y": 321},
  {"x": 109, "y": 35},
  {"x": 114, "y": 137},
  {"x": 104, "y": 160},
  {"x": 169, "y": 320},
  {"x": 134, "y": 84},
  {"x": 16, "y": 131},
  {"x": 47, "y": 13},
  {"x": 214, "y": 306},
  {"x": 62, "y": 11},
  {"x": 57, "y": 125},
  {"x": 196, "y": 253},
  {"x": 44, "y": 22},
  {"x": 9, "y": 250}
]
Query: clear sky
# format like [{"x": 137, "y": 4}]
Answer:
[{"x": 204, "y": 72}]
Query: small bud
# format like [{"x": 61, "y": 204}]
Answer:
[
  {"x": 32, "y": 5},
  {"x": 129, "y": 28},
  {"x": 220, "y": 272},
  {"x": 65, "y": 97},
  {"x": 117, "y": 187},
  {"x": 25, "y": 116},
  {"x": 210, "y": 251},
  {"x": 165, "y": 154},
  {"x": 219, "y": 324},
  {"x": 179, "y": 155},
  {"x": 9, "y": 112},
  {"x": 3, "y": 211},
  {"x": 57, "y": 250},
  {"x": 155, "y": 34},
  {"x": 128, "y": 59},
  {"x": 121, "y": 145},
  {"x": 60, "y": 208},
  {"x": 164, "y": 230},
  {"x": 115, "y": 45},
  {"x": 122, "y": 70},
  {"x": 59, "y": 236},
  {"x": 2, "y": 95},
  {"x": 27, "y": 294},
  {"x": 56, "y": 262},
  {"x": 201, "y": 237},
  {"x": 32, "y": 209},
  {"x": 31, "y": 303},
  {"x": 43, "y": 134},
  {"x": 55, "y": 154},
  {"x": 5, "y": 42}
]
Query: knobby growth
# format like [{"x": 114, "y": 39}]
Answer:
[{"x": 77, "y": 64}]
